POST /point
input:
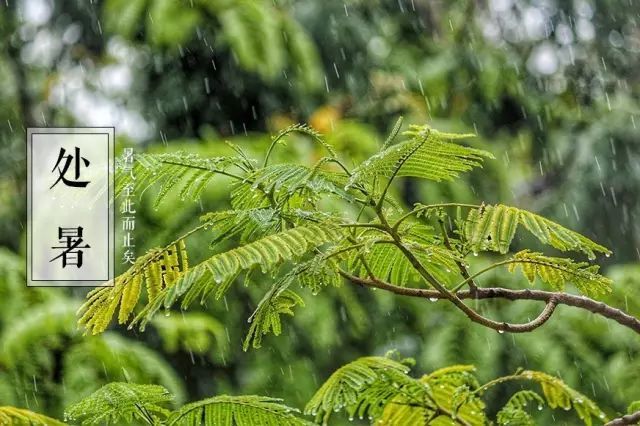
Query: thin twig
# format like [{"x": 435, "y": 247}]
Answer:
[
  {"x": 208, "y": 169},
  {"x": 395, "y": 172},
  {"x": 463, "y": 269}
]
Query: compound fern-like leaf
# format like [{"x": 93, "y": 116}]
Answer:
[
  {"x": 445, "y": 395},
  {"x": 158, "y": 268},
  {"x": 428, "y": 154},
  {"x": 317, "y": 273},
  {"x": 265, "y": 319},
  {"x": 121, "y": 403},
  {"x": 249, "y": 225},
  {"x": 102, "y": 358},
  {"x": 22, "y": 417},
  {"x": 343, "y": 388},
  {"x": 514, "y": 413},
  {"x": 559, "y": 395},
  {"x": 188, "y": 172},
  {"x": 493, "y": 227},
  {"x": 216, "y": 273},
  {"x": 302, "y": 129},
  {"x": 243, "y": 410},
  {"x": 557, "y": 272},
  {"x": 388, "y": 263}
]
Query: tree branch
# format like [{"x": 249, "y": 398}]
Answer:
[
  {"x": 582, "y": 302},
  {"x": 629, "y": 419},
  {"x": 452, "y": 296},
  {"x": 472, "y": 314}
]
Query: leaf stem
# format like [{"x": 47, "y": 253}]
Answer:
[
  {"x": 191, "y": 166},
  {"x": 429, "y": 207},
  {"x": 395, "y": 172},
  {"x": 470, "y": 278}
]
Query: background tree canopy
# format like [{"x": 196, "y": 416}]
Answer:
[{"x": 551, "y": 88}]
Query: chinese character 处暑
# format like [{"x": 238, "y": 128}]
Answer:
[
  {"x": 71, "y": 238},
  {"x": 64, "y": 162}
]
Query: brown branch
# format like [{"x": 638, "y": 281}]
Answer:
[
  {"x": 455, "y": 297},
  {"x": 551, "y": 298},
  {"x": 629, "y": 419},
  {"x": 452, "y": 296},
  {"x": 472, "y": 314}
]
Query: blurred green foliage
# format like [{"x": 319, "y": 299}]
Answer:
[{"x": 186, "y": 75}]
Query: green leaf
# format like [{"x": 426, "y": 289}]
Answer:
[
  {"x": 243, "y": 410},
  {"x": 317, "y": 273},
  {"x": 250, "y": 224},
  {"x": 426, "y": 155},
  {"x": 343, "y": 388},
  {"x": 218, "y": 271},
  {"x": 559, "y": 395},
  {"x": 122, "y": 403},
  {"x": 33, "y": 326},
  {"x": 557, "y": 272},
  {"x": 252, "y": 30},
  {"x": 388, "y": 263},
  {"x": 514, "y": 413},
  {"x": 445, "y": 395},
  {"x": 21, "y": 417},
  {"x": 94, "y": 361},
  {"x": 159, "y": 268},
  {"x": 303, "y": 53},
  {"x": 124, "y": 16},
  {"x": 189, "y": 172},
  {"x": 265, "y": 319},
  {"x": 493, "y": 227}
]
